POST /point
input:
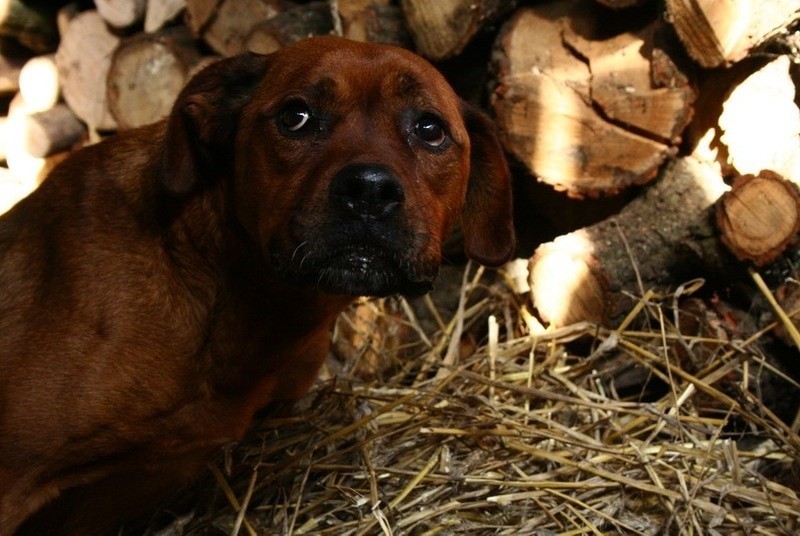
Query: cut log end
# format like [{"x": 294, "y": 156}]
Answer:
[
  {"x": 83, "y": 59},
  {"x": 586, "y": 112},
  {"x": 121, "y": 13},
  {"x": 597, "y": 273},
  {"x": 147, "y": 73},
  {"x": 39, "y": 84},
  {"x": 442, "y": 29},
  {"x": 718, "y": 33},
  {"x": 565, "y": 287},
  {"x": 760, "y": 217}
]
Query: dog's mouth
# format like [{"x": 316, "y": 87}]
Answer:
[{"x": 356, "y": 270}]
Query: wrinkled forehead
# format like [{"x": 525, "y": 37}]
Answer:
[{"x": 362, "y": 74}]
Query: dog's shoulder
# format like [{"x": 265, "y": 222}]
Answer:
[{"x": 104, "y": 180}]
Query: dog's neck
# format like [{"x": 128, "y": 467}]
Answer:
[{"x": 252, "y": 317}]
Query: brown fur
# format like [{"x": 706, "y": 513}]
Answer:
[{"x": 163, "y": 285}]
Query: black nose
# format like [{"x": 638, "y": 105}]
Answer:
[{"x": 367, "y": 192}]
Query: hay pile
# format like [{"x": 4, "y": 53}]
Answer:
[{"x": 528, "y": 431}]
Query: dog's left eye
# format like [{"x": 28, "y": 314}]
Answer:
[
  {"x": 294, "y": 116},
  {"x": 430, "y": 130}
]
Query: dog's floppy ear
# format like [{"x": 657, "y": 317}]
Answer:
[
  {"x": 202, "y": 125},
  {"x": 486, "y": 220}
]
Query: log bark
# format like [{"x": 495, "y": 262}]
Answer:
[
  {"x": 12, "y": 190},
  {"x": 719, "y": 33},
  {"x": 759, "y": 217},
  {"x": 353, "y": 14},
  {"x": 587, "y": 112},
  {"x": 374, "y": 22},
  {"x": 147, "y": 72},
  {"x": 33, "y": 24},
  {"x": 225, "y": 24},
  {"x": 51, "y": 131},
  {"x": 26, "y": 168},
  {"x": 3, "y": 137},
  {"x": 65, "y": 15},
  {"x": 387, "y": 24},
  {"x": 289, "y": 26},
  {"x": 760, "y": 122},
  {"x": 443, "y": 29},
  {"x": 621, "y": 4},
  {"x": 83, "y": 59},
  {"x": 160, "y": 12},
  {"x": 121, "y": 14},
  {"x": 9, "y": 74},
  {"x": 661, "y": 238},
  {"x": 368, "y": 337},
  {"x": 39, "y": 84}
]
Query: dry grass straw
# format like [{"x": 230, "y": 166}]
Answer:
[{"x": 526, "y": 435}]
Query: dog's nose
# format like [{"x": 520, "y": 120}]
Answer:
[{"x": 367, "y": 191}]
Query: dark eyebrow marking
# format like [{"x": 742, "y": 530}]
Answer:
[
  {"x": 407, "y": 85},
  {"x": 325, "y": 89}
]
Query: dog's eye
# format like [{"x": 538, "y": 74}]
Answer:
[
  {"x": 430, "y": 130},
  {"x": 294, "y": 116}
]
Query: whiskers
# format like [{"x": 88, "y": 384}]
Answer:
[{"x": 292, "y": 260}]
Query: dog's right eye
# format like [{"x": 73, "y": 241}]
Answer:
[{"x": 294, "y": 116}]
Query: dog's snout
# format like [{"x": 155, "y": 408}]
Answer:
[{"x": 367, "y": 191}]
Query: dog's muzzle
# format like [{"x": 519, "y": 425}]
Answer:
[{"x": 364, "y": 245}]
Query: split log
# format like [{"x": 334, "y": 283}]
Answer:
[
  {"x": 3, "y": 137},
  {"x": 160, "y": 12},
  {"x": 83, "y": 59},
  {"x": 14, "y": 187},
  {"x": 587, "y": 112},
  {"x": 621, "y": 4},
  {"x": 121, "y": 14},
  {"x": 662, "y": 237},
  {"x": 26, "y": 167},
  {"x": 759, "y": 217},
  {"x": 12, "y": 190},
  {"x": 147, "y": 72},
  {"x": 65, "y": 15},
  {"x": 39, "y": 84},
  {"x": 760, "y": 122},
  {"x": 51, "y": 131},
  {"x": 9, "y": 74},
  {"x": 369, "y": 336},
  {"x": 443, "y": 29},
  {"x": 225, "y": 24},
  {"x": 387, "y": 24},
  {"x": 353, "y": 14},
  {"x": 643, "y": 93},
  {"x": 33, "y": 24},
  {"x": 720, "y": 33},
  {"x": 290, "y": 26},
  {"x": 374, "y": 22}
]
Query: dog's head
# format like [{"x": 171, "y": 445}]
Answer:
[{"x": 350, "y": 163}]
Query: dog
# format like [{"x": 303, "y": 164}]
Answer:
[{"x": 163, "y": 285}]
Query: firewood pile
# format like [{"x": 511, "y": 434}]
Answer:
[{"x": 634, "y": 372}]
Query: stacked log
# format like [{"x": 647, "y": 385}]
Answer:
[
  {"x": 721, "y": 33},
  {"x": 585, "y": 111},
  {"x": 146, "y": 73},
  {"x": 84, "y": 59}
]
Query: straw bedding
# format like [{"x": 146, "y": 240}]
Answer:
[{"x": 468, "y": 417}]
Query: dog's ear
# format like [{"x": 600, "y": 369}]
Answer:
[
  {"x": 486, "y": 220},
  {"x": 202, "y": 125}
]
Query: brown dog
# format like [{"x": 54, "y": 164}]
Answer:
[{"x": 163, "y": 285}]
